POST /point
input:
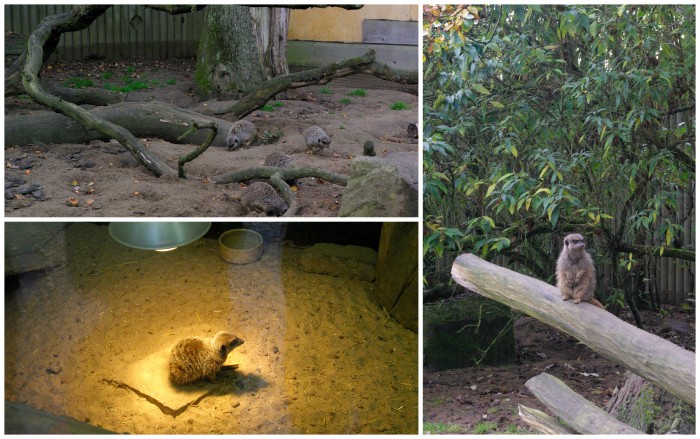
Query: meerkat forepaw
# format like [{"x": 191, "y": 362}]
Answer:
[{"x": 577, "y": 300}]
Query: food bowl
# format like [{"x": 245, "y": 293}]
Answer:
[{"x": 240, "y": 246}]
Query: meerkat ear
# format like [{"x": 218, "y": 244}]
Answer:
[{"x": 222, "y": 349}]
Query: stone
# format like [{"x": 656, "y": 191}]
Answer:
[
  {"x": 339, "y": 260},
  {"x": 381, "y": 187}
]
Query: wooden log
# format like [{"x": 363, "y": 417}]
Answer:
[
  {"x": 579, "y": 413},
  {"x": 659, "y": 361},
  {"x": 142, "y": 119},
  {"x": 542, "y": 422}
]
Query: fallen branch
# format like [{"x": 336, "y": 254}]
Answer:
[
  {"x": 287, "y": 193},
  {"x": 282, "y": 173},
  {"x": 278, "y": 84},
  {"x": 542, "y": 422},
  {"x": 579, "y": 413},
  {"x": 199, "y": 150},
  {"x": 50, "y": 28}
]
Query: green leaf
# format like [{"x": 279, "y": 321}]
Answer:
[
  {"x": 481, "y": 89},
  {"x": 490, "y": 189},
  {"x": 498, "y": 105}
]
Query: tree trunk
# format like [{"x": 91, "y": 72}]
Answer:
[
  {"x": 241, "y": 47},
  {"x": 637, "y": 401}
]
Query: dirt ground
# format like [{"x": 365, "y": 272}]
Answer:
[
  {"x": 319, "y": 355},
  {"x": 107, "y": 181},
  {"x": 485, "y": 399}
]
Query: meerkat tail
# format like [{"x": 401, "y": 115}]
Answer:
[{"x": 596, "y": 303}]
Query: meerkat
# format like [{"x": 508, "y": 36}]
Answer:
[
  {"x": 278, "y": 159},
  {"x": 368, "y": 149},
  {"x": 412, "y": 130},
  {"x": 241, "y": 135},
  {"x": 261, "y": 197},
  {"x": 317, "y": 141},
  {"x": 194, "y": 358},
  {"x": 576, "y": 272}
]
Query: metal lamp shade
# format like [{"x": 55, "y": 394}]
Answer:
[{"x": 157, "y": 236}]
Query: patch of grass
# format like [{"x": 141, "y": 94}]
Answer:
[
  {"x": 514, "y": 429},
  {"x": 24, "y": 97},
  {"x": 155, "y": 82},
  {"x": 129, "y": 70},
  {"x": 492, "y": 410},
  {"x": 439, "y": 400},
  {"x": 325, "y": 90},
  {"x": 107, "y": 75},
  {"x": 78, "y": 82},
  {"x": 358, "y": 92},
  {"x": 130, "y": 85},
  {"x": 272, "y": 107},
  {"x": 171, "y": 82},
  {"x": 439, "y": 427},
  {"x": 399, "y": 105},
  {"x": 484, "y": 427},
  {"x": 345, "y": 101}
]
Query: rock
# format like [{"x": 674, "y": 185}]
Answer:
[
  {"x": 397, "y": 273},
  {"x": 339, "y": 260},
  {"x": 386, "y": 187},
  {"x": 54, "y": 368}
]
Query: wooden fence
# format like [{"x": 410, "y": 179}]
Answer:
[{"x": 122, "y": 32}]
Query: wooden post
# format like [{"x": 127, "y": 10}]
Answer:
[{"x": 659, "y": 361}]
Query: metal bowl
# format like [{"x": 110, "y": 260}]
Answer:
[
  {"x": 240, "y": 246},
  {"x": 157, "y": 235}
]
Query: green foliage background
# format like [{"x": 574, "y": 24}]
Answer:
[{"x": 543, "y": 120}]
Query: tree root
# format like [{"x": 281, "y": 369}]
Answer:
[
  {"x": 282, "y": 173},
  {"x": 277, "y": 177},
  {"x": 197, "y": 152}
]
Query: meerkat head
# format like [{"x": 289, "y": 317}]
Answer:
[
  {"x": 225, "y": 342},
  {"x": 325, "y": 141},
  {"x": 574, "y": 242},
  {"x": 234, "y": 144}
]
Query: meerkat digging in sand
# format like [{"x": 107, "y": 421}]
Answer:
[{"x": 241, "y": 135}]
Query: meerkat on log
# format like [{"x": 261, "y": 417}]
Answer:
[{"x": 576, "y": 272}]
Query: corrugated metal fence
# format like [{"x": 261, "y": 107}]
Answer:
[{"x": 122, "y": 32}]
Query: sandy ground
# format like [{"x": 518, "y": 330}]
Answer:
[
  {"x": 485, "y": 399},
  {"x": 319, "y": 355},
  {"x": 112, "y": 183}
]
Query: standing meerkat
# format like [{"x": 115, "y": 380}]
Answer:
[
  {"x": 576, "y": 272},
  {"x": 317, "y": 141},
  {"x": 241, "y": 135},
  {"x": 194, "y": 358}
]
